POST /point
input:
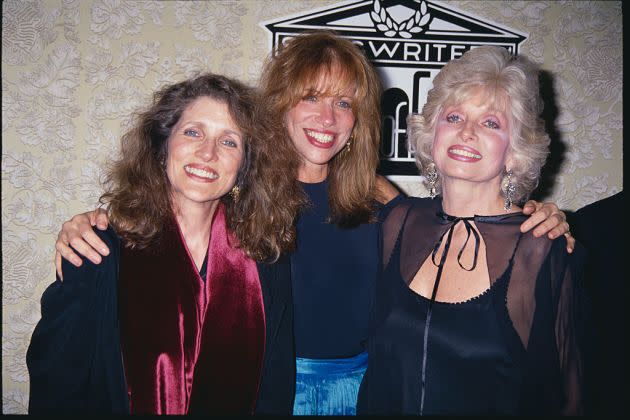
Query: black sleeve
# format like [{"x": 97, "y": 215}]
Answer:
[
  {"x": 74, "y": 358},
  {"x": 572, "y": 315},
  {"x": 277, "y": 386},
  {"x": 555, "y": 375}
]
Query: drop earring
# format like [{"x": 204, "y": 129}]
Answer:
[
  {"x": 508, "y": 190},
  {"x": 348, "y": 144},
  {"x": 432, "y": 177},
  {"x": 235, "y": 192}
]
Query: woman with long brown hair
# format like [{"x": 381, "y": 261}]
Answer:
[
  {"x": 315, "y": 212},
  {"x": 172, "y": 321}
]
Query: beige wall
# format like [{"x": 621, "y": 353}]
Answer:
[{"x": 72, "y": 71}]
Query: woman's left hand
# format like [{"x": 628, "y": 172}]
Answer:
[{"x": 547, "y": 218}]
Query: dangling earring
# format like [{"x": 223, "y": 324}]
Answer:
[
  {"x": 508, "y": 190},
  {"x": 349, "y": 143},
  {"x": 431, "y": 176},
  {"x": 234, "y": 193}
]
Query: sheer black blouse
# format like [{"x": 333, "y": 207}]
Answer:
[{"x": 514, "y": 349}]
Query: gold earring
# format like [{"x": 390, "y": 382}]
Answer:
[
  {"x": 234, "y": 193},
  {"x": 349, "y": 143}
]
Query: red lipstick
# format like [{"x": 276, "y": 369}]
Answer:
[
  {"x": 319, "y": 138},
  {"x": 464, "y": 153}
]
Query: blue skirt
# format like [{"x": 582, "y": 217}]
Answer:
[{"x": 328, "y": 386}]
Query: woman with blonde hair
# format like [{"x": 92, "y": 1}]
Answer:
[
  {"x": 472, "y": 316},
  {"x": 315, "y": 213}
]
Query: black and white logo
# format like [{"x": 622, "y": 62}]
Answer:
[{"x": 408, "y": 41}]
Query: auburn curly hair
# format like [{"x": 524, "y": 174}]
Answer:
[{"x": 137, "y": 189}]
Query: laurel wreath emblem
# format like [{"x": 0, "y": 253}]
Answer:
[{"x": 390, "y": 28}]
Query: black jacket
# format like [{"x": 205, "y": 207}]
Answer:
[
  {"x": 74, "y": 359},
  {"x": 277, "y": 388}
]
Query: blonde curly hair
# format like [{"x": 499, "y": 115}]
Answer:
[{"x": 506, "y": 80}]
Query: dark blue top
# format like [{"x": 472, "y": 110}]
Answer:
[{"x": 333, "y": 273}]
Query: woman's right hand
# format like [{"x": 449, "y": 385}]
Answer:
[{"x": 78, "y": 233}]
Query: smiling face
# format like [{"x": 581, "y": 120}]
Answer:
[
  {"x": 204, "y": 153},
  {"x": 319, "y": 126},
  {"x": 471, "y": 140}
]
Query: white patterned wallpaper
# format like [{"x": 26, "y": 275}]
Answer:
[{"x": 72, "y": 72}]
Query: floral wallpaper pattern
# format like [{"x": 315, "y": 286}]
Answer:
[{"x": 73, "y": 71}]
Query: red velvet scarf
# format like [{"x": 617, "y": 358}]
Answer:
[{"x": 189, "y": 346}]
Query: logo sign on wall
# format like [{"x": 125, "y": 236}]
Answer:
[{"x": 408, "y": 42}]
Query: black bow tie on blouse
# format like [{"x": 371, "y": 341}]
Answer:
[{"x": 445, "y": 218}]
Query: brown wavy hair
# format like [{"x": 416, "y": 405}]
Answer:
[
  {"x": 137, "y": 187},
  {"x": 286, "y": 77}
]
